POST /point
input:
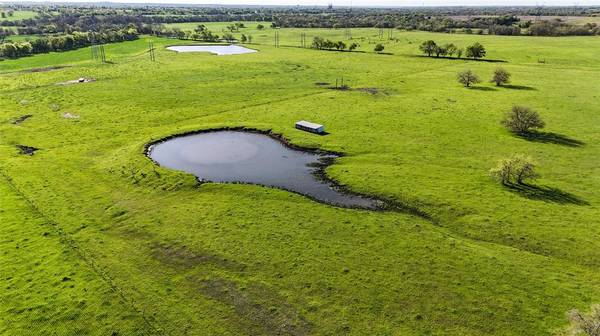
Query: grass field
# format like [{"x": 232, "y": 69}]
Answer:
[
  {"x": 18, "y": 15},
  {"x": 151, "y": 252}
]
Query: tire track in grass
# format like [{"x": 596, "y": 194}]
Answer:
[
  {"x": 66, "y": 240},
  {"x": 241, "y": 108}
]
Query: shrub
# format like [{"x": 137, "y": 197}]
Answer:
[
  {"x": 585, "y": 324},
  {"x": 379, "y": 48},
  {"x": 228, "y": 37},
  {"x": 514, "y": 170},
  {"x": 501, "y": 76},
  {"x": 521, "y": 120},
  {"x": 467, "y": 78}
]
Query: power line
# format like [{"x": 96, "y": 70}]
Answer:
[
  {"x": 151, "y": 51},
  {"x": 303, "y": 40}
]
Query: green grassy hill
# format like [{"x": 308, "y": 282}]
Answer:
[{"x": 225, "y": 259}]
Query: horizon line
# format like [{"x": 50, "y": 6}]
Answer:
[{"x": 75, "y": 2}]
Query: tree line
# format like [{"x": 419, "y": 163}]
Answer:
[
  {"x": 492, "y": 20},
  {"x": 65, "y": 42},
  {"x": 325, "y": 44},
  {"x": 431, "y": 48}
]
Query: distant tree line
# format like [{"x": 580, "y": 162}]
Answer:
[
  {"x": 491, "y": 20},
  {"x": 65, "y": 42},
  {"x": 508, "y": 25}
]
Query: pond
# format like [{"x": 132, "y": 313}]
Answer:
[
  {"x": 215, "y": 49},
  {"x": 250, "y": 157}
]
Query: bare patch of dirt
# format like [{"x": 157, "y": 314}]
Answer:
[
  {"x": 181, "y": 256},
  {"x": 22, "y": 119},
  {"x": 374, "y": 91},
  {"x": 69, "y": 115},
  {"x": 81, "y": 80},
  {"x": 27, "y": 150},
  {"x": 341, "y": 88},
  {"x": 45, "y": 69},
  {"x": 370, "y": 90},
  {"x": 259, "y": 310}
]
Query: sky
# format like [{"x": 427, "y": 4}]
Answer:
[{"x": 361, "y": 2}]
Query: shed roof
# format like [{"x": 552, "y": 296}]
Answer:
[{"x": 308, "y": 124}]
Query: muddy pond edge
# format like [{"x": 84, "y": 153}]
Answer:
[{"x": 320, "y": 173}]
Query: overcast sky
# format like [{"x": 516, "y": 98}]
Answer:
[{"x": 364, "y": 2}]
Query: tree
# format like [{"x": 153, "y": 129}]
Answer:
[
  {"x": 451, "y": 49},
  {"x": 243, "y": 39},
  {"x": 514, "y": 170},
  {"x": 459, "y": 52},
  {"x": 340, "y": 45},
  {"x": 249, "y": 38},
  {"x": 328, "y": 44},
  {"x": 8, "y": 50},
  {"x": 353, "y": 46},
  {"x": 228, "y": 37},
  {"x": 501, "y": 76},
  {"x": 467, "y": 78},
  {"x": 379, "y": 48},
  {"x": 521, "y": 120},
  {"x": 440, "y": 51},
  {"x": 204, "y": 34},
  {"x": 318, "y": 42},
  {"x": 260, "y": 27},
  {"x": 4, "y": 33},
  {"x": 428, "y": 47},
  {"x": 476, "y": 51},
  {"x": 585, "y": 324}
]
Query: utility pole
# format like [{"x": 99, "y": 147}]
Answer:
[
  {"x": 94, "y": 52},
  {"x": 151, "y": 51},
  {"x": 276, "y": 38},
  {"x": 303, "y": 40},
  {"x": 102, "y": 54}
]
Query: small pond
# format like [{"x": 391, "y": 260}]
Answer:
[
  {"x": 215, "y": 49},
  {"x": 248, "y": 157}
]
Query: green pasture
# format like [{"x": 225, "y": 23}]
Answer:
[
  {"x": 150, "y": 251},
  {"x": 18, "y": 15}
]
